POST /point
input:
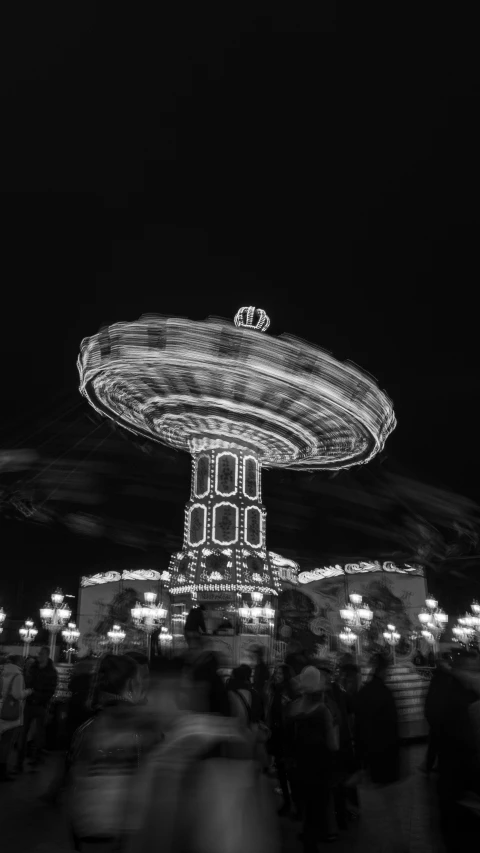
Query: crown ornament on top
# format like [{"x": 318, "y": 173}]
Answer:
[{"x": 252, "y": 318}]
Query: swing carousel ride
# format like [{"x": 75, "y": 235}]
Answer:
[{"x": 238, "y": 400}]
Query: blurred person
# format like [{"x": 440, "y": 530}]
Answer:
[
  {"x": 349, "y": 683},
  {"x": 105, "y": 756},
  {"x": 344, "y": 760},
  {"x": 12, "y": 699},
  {"x": 246, "y": 705},
  {"x": 280, "y": 743},
  {"x": 200, "y": 672},
  {"x": 199, "y": 789},
  {"x": 261, "y": 675},
  {"x": 41, "y": 677},
  {"x": 438, "y": 691},
  {"x": 315, "y": 743},
  {"x": 245, "y": 702},
  {"x": 296, "y": 657},
  {"x": 144, "y": 670},
  {"x": 377, "y": 733},
  {"x": 79, "y": 710},
  {"x": 458, "y": 755},
  {"x": 80, "y": 686},
  {"x": 195, "y": 623}
]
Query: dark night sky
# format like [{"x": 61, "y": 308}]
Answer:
[{"x": 327, "y": 172}]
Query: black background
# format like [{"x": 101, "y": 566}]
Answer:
[{"x": 325, "y": 169}]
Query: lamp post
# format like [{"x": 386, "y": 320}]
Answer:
[
  {"x": 468, "y": 626},
  {"x": 148, "y": 617},
  {"x": 116, "y": 636},
  {"x": 53, "y": 618},
  {"x": 71, "y": 635},
  {"x": 357, "y": 616},
  {"x": 28, "y": 634},
  {"x": 3, "y": 616},
  {"x": 347, "y": 637},
  {"x": 433, "y": 620},
  {"x": 392, "y": 637}
]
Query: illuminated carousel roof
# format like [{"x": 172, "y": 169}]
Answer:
[{"x": 198, "y": 385}]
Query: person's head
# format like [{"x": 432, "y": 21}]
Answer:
[
  {"x": 310, "y": 682},
  {"x": 43, "y": 657},
  {"x": 119, "y": 675},
  {"x": 282, "y": 674},
  {"x": 242, "y": 675}
]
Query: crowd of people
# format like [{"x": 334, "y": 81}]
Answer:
[
  {"x": 26, "y": 689},
  {"x": 452, "y": 709},
  {"x": 172, "y": 749}
]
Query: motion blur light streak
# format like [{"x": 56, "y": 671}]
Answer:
[{"x": 209, "y": 385}]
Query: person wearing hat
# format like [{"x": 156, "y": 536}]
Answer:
[{"x": 315, "y": 743}]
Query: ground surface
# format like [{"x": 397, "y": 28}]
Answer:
[{"x": 399, "y": 819}]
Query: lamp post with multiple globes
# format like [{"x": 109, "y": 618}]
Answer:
[
  {"x": 392, "y": 637},
  {"x": 71, "y": 635},
  {"x": 358, "y": 618},
  {"x": 116, "y": 636},
  {"x": 28, "y": 634},
  {"x": 433, "y": 621},
  {"x": 148, "y": 617},
  {"x": 468, "y": 626},
  {"x": 54, "y": 616},
  {"x": 347, "y": 637}
]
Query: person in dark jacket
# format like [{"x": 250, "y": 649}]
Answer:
[
  {"x": 105, "y": 756},
  {"x": 195, "y": 624},
  {"x": 344, "y": 765},
  {"x": 296, "y": 657},
  {"x": 42, "y": 680},
  {"x": 377, "y": 740},
  {"x": 316, "y": 741},
  {"x": 278, "y": 743},
  {"x": 436, "y": 698},
  {"x": 261, "y": 674},
  {"x": 458, "y": 760}
]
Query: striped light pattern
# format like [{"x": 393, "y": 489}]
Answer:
[{"x": 201, "y": 385}]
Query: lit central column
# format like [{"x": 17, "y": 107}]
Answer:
[{"x": 224, "y": 517}]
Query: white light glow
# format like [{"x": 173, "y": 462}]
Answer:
[
  {"x": 252, "y": 318},
  {"x": 359, "y": 568},
  {"x": 46, "y": 612}
]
